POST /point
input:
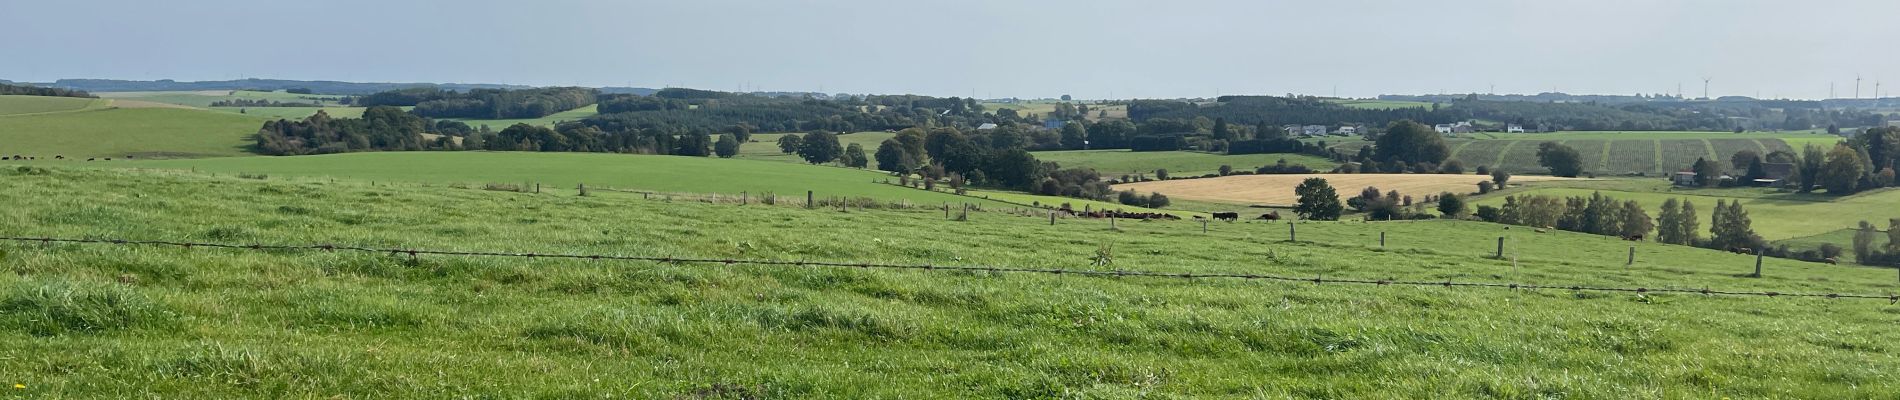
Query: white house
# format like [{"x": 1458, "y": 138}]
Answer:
[
  {"x": 1313, "y": 130},
  {"x": 1347, "y": 130},
  {"x": 1513, "y": 128},
  {"x": 1442, "y": 128}
]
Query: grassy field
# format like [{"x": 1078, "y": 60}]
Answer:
[
  {"x": 204, "y": 98},
  {"x": 1775, "y": 216},
  {"x": 293, "y": 112},
  {"x": 1277, "y": 190},
  {"x": 564, "y": 172},
  {"x": 1178, "y": 163},
  {"x": 564, "y": 116},
  {"x": 102, "y": 321},
  {"x": 1615, "y": 153},
  {"x": 11, "y": 105},
  {"x": 119, "y": 132},
  {"x": 1382, "y": 104},
  {"x": 764, "y": 146}
]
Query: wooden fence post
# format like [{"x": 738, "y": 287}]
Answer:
[
  {"x": 1052, "y": 217},
  {"x": 1632, "y": 260},
  {"x": 1111, "y": 222},
  {"x": 808, "y": 202},
  {"x": 1381, "y": 240},
  {"x": 537, "y": 188},
  {"x": 1500, "y": 247},
  {"x": 1758, "y": 256},
  {"x": 1291, "y": 235},
  {"x": 1203, "y": 227},
  {"x": 946, "y": 210},
  {"x": 583, "y": 189},
  {"x": 745, "y": 198}
]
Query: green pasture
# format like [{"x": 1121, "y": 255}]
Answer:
[
  {"x": 1114, "y": 163},
  {"x": 119, "y": 132},
  {"x": 548, "y": 121},
  {"x": 14, "y": 105},
  {"x": 202, "y": 99},
  {"x": 104, "y": 321},
  {"x": 564, "y": 172}
]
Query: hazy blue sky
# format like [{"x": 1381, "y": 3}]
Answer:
[{"x": 990, "y": 48}]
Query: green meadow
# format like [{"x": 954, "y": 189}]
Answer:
[
  {"x": 13, "y": 105},
  {"x": 105, "y": 321},
  {"x": 120, "y": 132},
  {"x": 565, "y": 172},
  {"x": 1114, "y": 163}
]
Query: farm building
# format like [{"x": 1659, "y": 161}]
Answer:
[
  {"x": 1347, "y": 130},
  {"x": 1683, "y": 178},
  {"x": 986, "y": 126},
  {"x": 1513, "y": 128},
  {"x": 1313, "y": 130},
  {"x": 1053, "y": 123},
  {"x": 1457, "y": 128}
]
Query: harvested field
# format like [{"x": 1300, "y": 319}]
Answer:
[{"x": 1278, "y": 189}]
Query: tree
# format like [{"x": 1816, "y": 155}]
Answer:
[
  {"x": 1226, "y": 170},
  {"x": 1707, "y": 173},
  {"x": 1668, "y": 229},
  {"x": 1812, "y": 159},
  {"x": 1562, "y": 160},
  {"x": 1451, "y": 206},
  {"x": 1893, "y": 235},
  {"x": 1864, "y": 242},
  {"x": 1485, "y": 187},
  {"x": 1410, "y": 142},
  {"x": 694, "y": 145},
  {"x": 1074, "y": 136},
  {"x": 1157, "y": 200},
  {"x": 1221, "y": 131},
  {"x": 1065, "y": 97},
  {"x": 1161, "y": 174},
  {"x": 1636, "y": 222},
  {"x": 819, "y": 147},
  {"x": 789, "y": 143},
  {"x": 727, "y": 146},
  {"x": 1317, "y": 200},
  {"x": 1452, "y": 167},
  {"x": 1500, "y": 177},
  {"x": 1741, "y": 159},
  {"x": 891, "y": 157},
  {"x": 1687, "y": 225},
  {"x": 854, "y": 156},
  {"x": 1731, "y": 228},
  {"x": 1842, "y": 172}
]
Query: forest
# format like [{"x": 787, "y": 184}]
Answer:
[
  {"x": 28, "y": 90},
  {"x": 484, "y": 103}
]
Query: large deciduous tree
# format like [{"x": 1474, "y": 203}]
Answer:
[
  {"x": 1411, "y": 143},
  {"x": 1562, "y": 160},
  {"x": 1318, "y": 201}
]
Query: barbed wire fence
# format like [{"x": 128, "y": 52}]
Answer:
[{"x": 1315, "y": 280}]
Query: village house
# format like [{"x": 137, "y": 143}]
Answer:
[{"x": 1513, "y": 128}]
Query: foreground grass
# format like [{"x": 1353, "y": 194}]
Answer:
[{"x": 83, "y": 321}]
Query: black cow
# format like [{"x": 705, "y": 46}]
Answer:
[
  {"x": 1226, "y": 215},
  {"x": 1272, "y": 216}
]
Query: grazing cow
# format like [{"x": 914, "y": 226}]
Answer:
[
  {"x": 59, "y": 157},
  {"x": 108, "y": 158},
  {"x": 1831, "y": 260},
  {"x": 1741, "y": 250},
  {"x": 1272, "y": 216},
  {"x": 1538, "y": 230},
  {"x": 1226, "y": 215},
  {"x": 1199, "y": 217},
  {"x": 89, "y": 159},
  {"x": 1633, "y": 238}
]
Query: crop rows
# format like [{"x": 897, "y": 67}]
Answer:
[
  {"x": 1594, "y": 158},
  {"x": 1681, "y": 153},
  {"x": 1727, "y": 147}
]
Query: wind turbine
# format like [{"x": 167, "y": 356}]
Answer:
[
  {"x": 1856, "y": 86},
  {"x": 1705, "y": 88}
]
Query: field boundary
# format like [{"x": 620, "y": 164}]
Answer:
[{"x": 1118, "y": 273}]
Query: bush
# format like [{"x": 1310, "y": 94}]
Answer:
[{"x": 1484, "y": 187}]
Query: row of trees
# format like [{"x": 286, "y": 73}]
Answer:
[
  {"x": 380, "y": 128},
  {"x": 260, "y": 103},
  {"x": 484, "y": 103},
  {"x": 24, "y": 90}
]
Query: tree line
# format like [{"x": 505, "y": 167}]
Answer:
[
  {"x": 484, "y": 103},
  {"x": 26, "y": 90}
]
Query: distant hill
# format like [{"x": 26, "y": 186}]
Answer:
[{"x": 324, "y": 87}]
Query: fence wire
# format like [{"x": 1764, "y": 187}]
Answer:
[{"x": 1316, "y": 280}]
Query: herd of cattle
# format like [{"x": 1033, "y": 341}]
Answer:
[
  {"x": 1118, "y": 214},
  {"x": 17, "y": 157}
]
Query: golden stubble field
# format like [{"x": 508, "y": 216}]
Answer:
[{"x": 1278, "y": 189}]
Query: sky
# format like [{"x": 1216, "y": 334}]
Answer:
[{"x": 990, "y": 49}]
